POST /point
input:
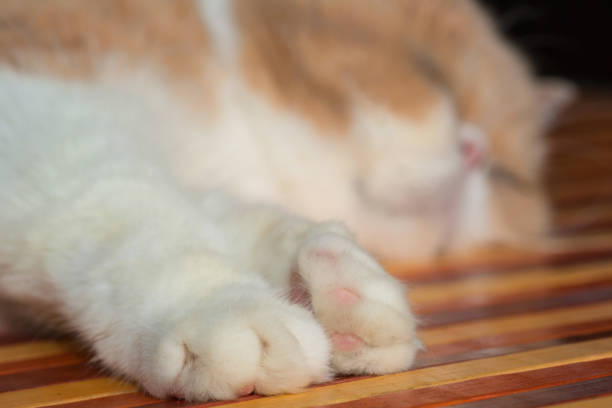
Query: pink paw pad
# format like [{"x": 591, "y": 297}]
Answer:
[
  {"x": 344, "y": 296},
  {"x": 246, "y": 390},
  {"x": 324, "y": 255},
  {"x": 346, "y": 342}
]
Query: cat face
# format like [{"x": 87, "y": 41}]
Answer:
[{"x": 471, "y": 182}]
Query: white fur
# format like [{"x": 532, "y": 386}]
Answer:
[
  {"x": 180, "y": 290},
  {"x": 218, "y": 18}
]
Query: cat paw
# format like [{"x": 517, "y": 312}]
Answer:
[
  {"x": 363, "y": 310},
  {"x": 264, "y": 347}
]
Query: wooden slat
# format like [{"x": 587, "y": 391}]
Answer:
[
  {"x": 63, "y": 393},
  {"x": 599, "y": 402},
  {"x": 510, "y": 303},
  {"x": 46, "y": 376},
  {"x": 547, "y": 396},
  {"x": 495, "y": 345},
  {"x": 127, "y": 400},
  {"x": 569, "y": 196},
  {"x": 596, "y": 217},
  {"x": 34, "y": 349},
  {"x": 39, "y": 363},
  {"x": 495, "y": 286},
  {"x": 530, "y": 305},
  {"x": 556, "y": 251},
  {"x": 499, "y": 326},
  {"x": 7, "y": 338}
]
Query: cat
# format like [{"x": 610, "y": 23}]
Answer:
[{"x": 169, "y": 170}]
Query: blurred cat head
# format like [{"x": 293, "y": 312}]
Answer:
[
  {"x": 481, "y": 181},
  {"x": 444, "y": 119}
]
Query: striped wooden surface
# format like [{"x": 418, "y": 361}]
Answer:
[{"x": 503, "y": 328}]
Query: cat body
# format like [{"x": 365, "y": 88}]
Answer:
[{"x": 150, "y": 151}]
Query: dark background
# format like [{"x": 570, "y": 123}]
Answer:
[{"x": 570, "y": 39}]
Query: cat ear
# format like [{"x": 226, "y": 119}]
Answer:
[{"x": 554, "y": 95}]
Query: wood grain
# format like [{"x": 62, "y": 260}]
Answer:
[
  {"x": 34, "y": 349},
  {"x": 64, "y": 392},
  {"x": 541, "y": 397},
  {"x": 513, "y": 324},
  {"x": 599, "y": 402},
  {"x": 487, "y": 387},
  {"x": 520, "y": 282}
]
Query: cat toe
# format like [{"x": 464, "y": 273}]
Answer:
[{"x": 269, "y": 347}]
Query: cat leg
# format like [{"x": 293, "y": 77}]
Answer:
[
  {"x": 363, "y": 310},
  {"x": 131, "y": 267},
  {"x": 138, "y": 283}
]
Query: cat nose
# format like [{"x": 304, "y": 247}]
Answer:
[
  {"x": 473, "y": 145},
  {"x": 472, "y": 154}
]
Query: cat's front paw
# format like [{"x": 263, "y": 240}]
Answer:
[
  {"x": 363, "y": 310},
  {"x": 264, "y": 346}
]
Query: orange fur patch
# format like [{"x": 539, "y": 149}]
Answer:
[
  {"x": 312, "y": 55},
  {"x": 72, "y": 38}
]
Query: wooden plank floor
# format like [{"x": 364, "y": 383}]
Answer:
[{"x": 503, "y": 328}]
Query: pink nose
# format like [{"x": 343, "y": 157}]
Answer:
[
  {"x": 472, "y": 154},
  {"x": 473, "y": 145}
]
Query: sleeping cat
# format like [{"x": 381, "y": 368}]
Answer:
[{"x": 152, "y": 154}]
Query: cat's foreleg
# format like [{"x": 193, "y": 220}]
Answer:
[
  {"x": 97, "y": 237},
  {"x": 139, "y": 274}
]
